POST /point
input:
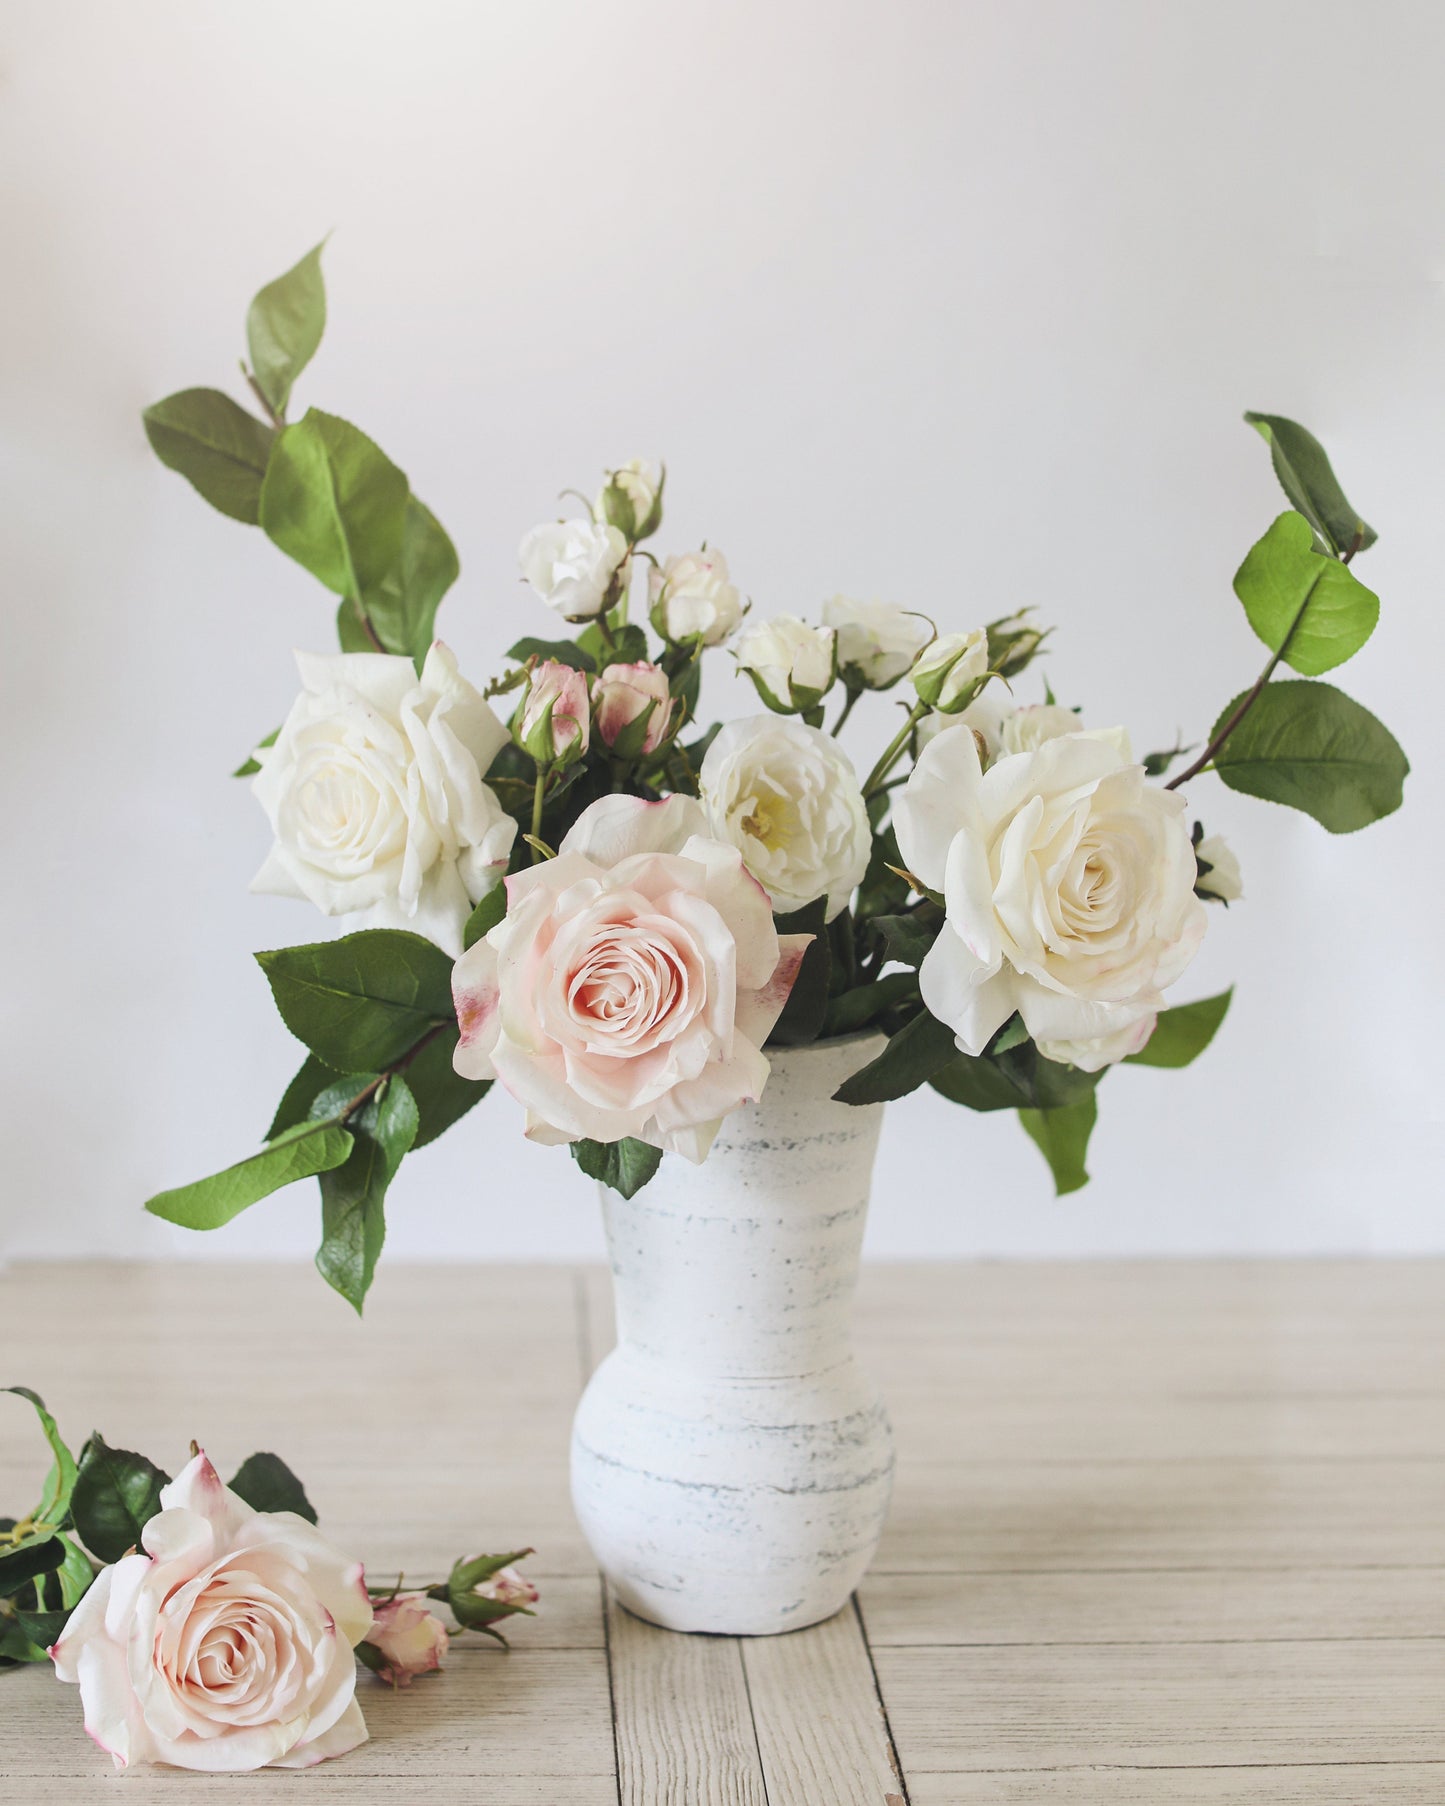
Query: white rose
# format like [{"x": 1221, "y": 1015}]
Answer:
[
  {"x": 1105, "y": 1050},
  {"x": 790, "y": 663},
  {"x": 375, "y": 793},
  {"x": 692, "y": 598},
  {"x": 630, "y": 988},
  {"x": 632, "y": 497},
  {"x": 877, "y": 641},
  {"x": 227, "y": 1645},
  {"x": 1021, "y": 730},
  {"x": 1223, "y": 882},
  {"x": 786, "y": 796},
  {"x": 1068, "y": 882},
  {"x": 948, "y": 668},
  {"x": 571, "y": 564}
]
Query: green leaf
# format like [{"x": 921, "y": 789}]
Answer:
[
  {"x": 1012, "y": 1034},
  {"x": 1183, "y": 1033},
  {"x": 1062, "y": 1136},
  {"x": 1285, "y": 584},
  {"x": 335, "y": 502},
  {"x": 442, "y": 1095},
  {"x": 403, "y": 609},
  {"x": 220, "y": 449},
  {"x": 361, "y": 1002},
  {"x": 564, "y": 652},
  {"x": 1305, "y": 476},
  {"x": 74, "y": 1575},
  {"x": 1311, "y": 747},
  {"x": 629, "y": 645},
  {"x": 16, "y": 1647},
  {"x": 252, "y": 764},
  {"x": 1012, "y": 1075},
  {"x": 267, "y": 1484},
  {"x": 910, "y": 1059},
  {"x": 55, "y": 1494},
  {"x": 295, "y": 1106},
  {"x": 907, "y": 938},
  {"x": 284, "y": 327},
  {"x": 42, "y": 1628},
  {"x": 469, "y": 1610},
  {"x": 855, "y": 1009},
  {"x": 979, "y": 1083},
  {"x": 485, "y": 916},
  {"x": 353, "y": 1195},
  {"x": 117, "y": 1493},
  {"x": 26, "y": 1561},
  {"x": 624, "y": 1165},
  {"x": 299, "y": 1153},
  {"x": 802, "y": 1018}
]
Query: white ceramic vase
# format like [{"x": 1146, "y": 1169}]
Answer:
[{"x": 731, "y": 1465}]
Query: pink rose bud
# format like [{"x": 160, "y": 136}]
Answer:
[
  {"x": 508, "y": 1587},
  {"x": 551, "y": 722},
  {"x": 632, "y": 707},
  {"x": 409, "y": 1639}
]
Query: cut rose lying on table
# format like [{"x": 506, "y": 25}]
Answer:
[
  {"x": 639, "y": 907},
  {"x": 210, "y": 1626}
]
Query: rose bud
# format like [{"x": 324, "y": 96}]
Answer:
[
  {"x": 408, "y": 1639},
  {"x": 551, "y": 720},
  {"x": 693, "y": 602},
  {"x": 1219, "y": 879},
  {"x": 632, "y": 708},
  {"x": 508, "y": 1587},
  {"x": 631, "y": 501},
  {"x": 877, "y": 641},
  {"x": 1012, "y": 644},
  {"x": 949, "y": 671},
  {"x": 574, "y": 565},
  {"x": 791, "y": 664}
]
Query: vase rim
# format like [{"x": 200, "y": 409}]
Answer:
[{"x": 825, "y": 1042}]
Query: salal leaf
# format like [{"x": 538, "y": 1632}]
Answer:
[
  {"x": 1313, "y": 748},
  {"x": 910, "y": 1059},
  {"x": 220, "y": 449},
  {"x": 1012, "y": 1075},
  {"x": 562, "y": 652},
  {"x": 117, "y": 1493},
  {"x": 298, "y": 1153},
  {"x": 55, "y": 1494},
  {"x": 284, "y": 327},
  {"x": 624, "y": 1165},
  {"x": 855, "y": 1009},
  {"x": 266, "y": 1484},
  {"x": 314, "y": 1077},
  {"x": 908, "y": 938},
  {"x": 802, "y": 1016},
  {"x": 1183, "y": 1033},
  {"x": 361, "y": 1002},
  {"x": 353, "y": 1195},
  {"x": 1306, "y": 478},
  {"x": 1298, "y": 599},
  {"x": 1062, "y": 1137},
  {"x": 403, "y": 609},
  {"x": 335, "y": 502}
]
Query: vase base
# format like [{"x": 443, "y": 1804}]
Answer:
[{"x": 681, "y": 1624}]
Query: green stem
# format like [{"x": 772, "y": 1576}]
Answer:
[
  {"x": 539, "y": 791},
  {"x": 853, "y": 696},
  {"x": 894, "y": 747}
]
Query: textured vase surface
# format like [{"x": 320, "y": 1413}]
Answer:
[{"x": 731, "y": 1464}]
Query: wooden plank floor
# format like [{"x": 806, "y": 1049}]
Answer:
[{"x": 1162, "y": 1533}]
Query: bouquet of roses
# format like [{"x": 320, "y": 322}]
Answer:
[{"x": 614, "y": 910}]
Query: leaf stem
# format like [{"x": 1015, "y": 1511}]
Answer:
[
  {"x": 277, "y": 420},
  {"x": 366, "y": 625},
  {"x": 1252, "y": 695},
  {"x": 853, "y": 696}
]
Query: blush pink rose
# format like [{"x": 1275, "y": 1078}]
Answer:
[
  {"x": 624, "y": 694},
  {"x": 508, "y": 1586},
  {"x": 552, "y": 718},
  {"x": 409, "y": 1639},
  {"x": 225, "y": 1646},
  {"x": 632, "y": 983}
]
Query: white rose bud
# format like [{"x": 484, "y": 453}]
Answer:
[
  {"x": 1219, "y": 879},
  {"x": 693, "y": 600},
  {"x": 552, "y": 719},
  {"x": 573, "y": 565},
  {"x": 877, "y": 641},
  {"x": 947, "y": 672},
  {"x": 631, "y": 500},
  {"x": 791, "y": 664},
  {"x": 786, "y": 796}
]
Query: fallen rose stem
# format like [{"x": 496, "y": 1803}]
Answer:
[
  {"x": 1252, "y": 695},
  {"x": 894, "y": 747}
]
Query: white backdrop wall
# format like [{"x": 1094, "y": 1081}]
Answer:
[{"x": 952, "y": 304}]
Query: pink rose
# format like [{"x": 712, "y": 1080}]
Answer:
[
  {"x": 508, "y": 1587},
  {"x": 226, "y": 1645},
  {"x": 632, "y": 983},
  {"x": 409, "y": 1639},
  {"x": 632, "y": 696},
  {"x": 551, "y": 722}
]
